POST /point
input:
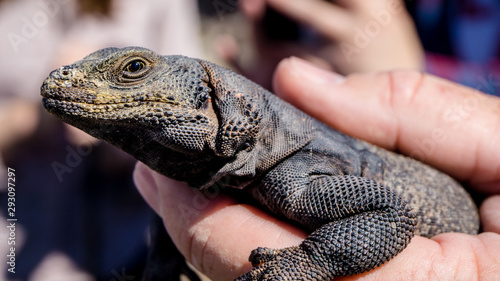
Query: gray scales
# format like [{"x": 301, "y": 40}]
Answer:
[{"x": 197, "y": 122}]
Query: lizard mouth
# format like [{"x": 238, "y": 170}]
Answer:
[
  {"x": 61, "y": 98},
  {"x": 153, "y": 111},
  {"x": 68, "y": 107},
  {"x": 83, "y": 95}
]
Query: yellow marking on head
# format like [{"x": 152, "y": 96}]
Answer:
[{"x": 105, "y": 98}]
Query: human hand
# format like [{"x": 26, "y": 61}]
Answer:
[
  {"x": 451, "y": 127},
  {"x": 358, "y": 36}
]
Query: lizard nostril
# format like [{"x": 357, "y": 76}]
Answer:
[{"x": 65, "y": 73}]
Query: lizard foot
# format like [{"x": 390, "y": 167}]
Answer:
[{"x": 283, "y": 264}]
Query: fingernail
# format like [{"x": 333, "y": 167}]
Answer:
[{"x": 305, "y": 70}]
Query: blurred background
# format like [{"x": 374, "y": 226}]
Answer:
[{"x": 79, "y": 214}]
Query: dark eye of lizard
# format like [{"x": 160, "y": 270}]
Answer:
[
  {"x": 134, "y": 66},
  {"x": 134, "y": 70}
]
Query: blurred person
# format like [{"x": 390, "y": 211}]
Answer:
[
  {"x": 346, "y": 36},
  {"x": 462, "y": 40},
  {"x": 79, "y": 215}
]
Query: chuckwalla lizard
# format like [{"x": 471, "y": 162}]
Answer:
[{"x": 197, "y": 122}]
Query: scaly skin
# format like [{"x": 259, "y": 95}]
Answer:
[{"x": 197, "y": 122}]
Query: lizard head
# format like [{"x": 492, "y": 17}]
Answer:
[{"x": 135, "y": 99}]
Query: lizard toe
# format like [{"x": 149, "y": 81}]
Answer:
[
  {"x": 282, "y": 264},
  {"x": 261, "y": 255}
]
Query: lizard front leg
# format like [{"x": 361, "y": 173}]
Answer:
[{"x": 357, "y": 225}]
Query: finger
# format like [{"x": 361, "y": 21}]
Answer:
[
  {"x": 145, "y": 183},
  {"x": 327, "y": 18},
  {"x": 451, "y": 127},
  {"x": 366, "y": 7},
  {"x": 490, "y": 214},
  {"x": 213, "y": 232}
]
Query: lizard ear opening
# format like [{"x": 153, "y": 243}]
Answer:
[{"x": 235, "y": 99}]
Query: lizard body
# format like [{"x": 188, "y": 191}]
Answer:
[{"x": 197, "y": 122}]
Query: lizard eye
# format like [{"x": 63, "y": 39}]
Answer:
[
  {"x": 134, "y": 66},
  {"x": 134, "y": 69}
]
